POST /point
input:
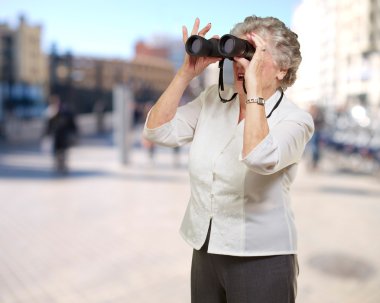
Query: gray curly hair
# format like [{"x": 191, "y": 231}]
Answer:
[{"x": 283, "y": 43}]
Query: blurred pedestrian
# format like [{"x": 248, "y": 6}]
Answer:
[
  {"x": 62, "y": 129},
  {"x": 99, "y": 111},
  {"x": 177, "y": 156},
  {"x": 315, "y": 141},
  {"x": 243, "y": 159}
]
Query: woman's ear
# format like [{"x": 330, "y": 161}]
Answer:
[{"x": 281, "y": 74}]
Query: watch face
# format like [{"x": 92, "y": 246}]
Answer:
[
  {"x": 260, "y": 101},
  {"x": 257, "y": 100}
]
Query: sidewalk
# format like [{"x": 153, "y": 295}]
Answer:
[{"x": 108, "y": 233}]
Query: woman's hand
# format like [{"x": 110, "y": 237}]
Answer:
[
  {"x": 193, "y": 66},
  {"x": 261, "y": 72}
]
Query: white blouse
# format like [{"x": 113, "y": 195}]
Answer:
[{"x": 247, "y": 199}]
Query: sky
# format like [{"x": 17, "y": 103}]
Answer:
[{"x": 110, "y": 28}]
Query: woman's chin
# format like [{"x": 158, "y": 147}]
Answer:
[{"x": 238, "y": 85}]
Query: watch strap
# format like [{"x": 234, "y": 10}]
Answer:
[{"x": 258, "y": 100}]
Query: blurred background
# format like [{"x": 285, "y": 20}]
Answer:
[{"x": 89, "y": 211}]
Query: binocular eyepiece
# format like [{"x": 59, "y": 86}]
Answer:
[{"x": 228, "y": 46}]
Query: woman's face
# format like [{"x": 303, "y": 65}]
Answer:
[{"x": 238, "y": 77}]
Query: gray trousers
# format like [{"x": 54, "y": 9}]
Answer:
[{"x": 231, "y": 279}]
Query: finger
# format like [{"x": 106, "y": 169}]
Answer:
[
  {"x": 216, "y": 37},
  {"x": 243, "y": 62},
  {"x": 195, "y": 26},
  {"x": 259, "y": 43},
  {"x": 204, "y": 30},
  {"x": 257, "y": 38},
  {"x": 251, "y": 37},
  {"x": 211, "y": 60},
  {"x": 185, "y": 35}
]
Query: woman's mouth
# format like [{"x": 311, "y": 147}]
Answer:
[{"x": 240, "y": 76}]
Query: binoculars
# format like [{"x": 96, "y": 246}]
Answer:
[{"x": 228, "y": 46}]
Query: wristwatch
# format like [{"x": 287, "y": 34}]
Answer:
[{"x": 257, "y": 100}]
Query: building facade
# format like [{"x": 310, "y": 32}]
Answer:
[
  {"x": 86, "y": 81},
  {"x": 153, "y": 72},
  {"x": 23, "y": 68},
  {"x": 30, "y": 62},
  {"x": 340, "y": 44}
]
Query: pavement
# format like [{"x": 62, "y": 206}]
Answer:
[{"x": 109, "y": 233}]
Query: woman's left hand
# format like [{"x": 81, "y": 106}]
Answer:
[{"x": 258, "y": 71}]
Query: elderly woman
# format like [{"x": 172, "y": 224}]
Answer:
[{"x": 243, "y": 158}]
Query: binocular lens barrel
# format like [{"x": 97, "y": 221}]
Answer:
[
  {"x": 196, "y": 46},
  {"x": 228, "y": 46},
  {"x": 231, "y": 46},
  {"x": 201, "y": 47}
]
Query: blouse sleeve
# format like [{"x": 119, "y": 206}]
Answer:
[
  {"x": 180, "y": 129},
  {"x": 283, "y": 146}
]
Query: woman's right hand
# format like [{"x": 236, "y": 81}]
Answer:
[{"x": 193, "y": 66}]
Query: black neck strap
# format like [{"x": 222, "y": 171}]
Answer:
[
  {"x": 221, "y": 84},
  {"x": 277, "y": 104}
]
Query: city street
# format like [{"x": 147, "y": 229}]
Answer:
[{"x": 108, "y": 233}]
